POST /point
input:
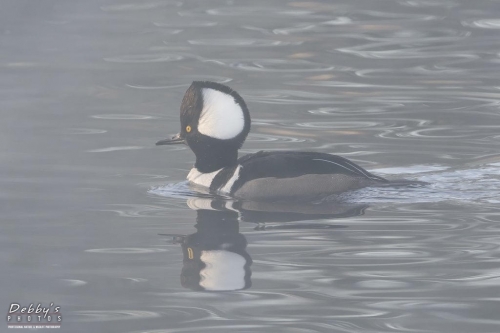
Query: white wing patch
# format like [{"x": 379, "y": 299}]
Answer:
[
  {"x": 229, "y": 185},
  {"x": 221, "y": 117},
  {"x": 352, "y": 165}
]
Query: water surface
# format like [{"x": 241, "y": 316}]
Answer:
[{"x": 97, "y": 219}]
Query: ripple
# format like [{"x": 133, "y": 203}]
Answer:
[
  {"x": 86, "y": 131},
  {"x": 137, "y": 280},
  {"x": 225, "y": 328},
  {"x": 387, "y": 274},
  {"x": 420, "y": 304},
  {"x": 426, "y": 3},
  {"x": 484, "y": 23},
  {"x": 345, "y": 84},
  {"x": 274, "y": 65},
  {"x": 432, "y": 73},
  {"x": 313, "y": 28},
  {"x": 341, "y": 20},
  {"x": 109, "y": 149},
  {"x": 390, "y": 15},
  {"x": 127, "y": 250},
  {"x": 88, "y": 189},
  {"x": 160, "y": 85},
  {"x": 291, "y": 306},
  {"x": 407, "y": 53},
  {"x": 424, "y": 133},
  {"x": 274, "y": 138},
  {"x": 145, "y": 58},
  {"x": 286, "y": 97},
  {"x": 477, "y": 185},
  {"x": 188, "y": 24},
  {"x": 380, "y": 284},
  {"x": 254, "y": 11},
  {"x": 240, "y": 42},
  {"x": 20, "y": 64},
  {"x": 139, "y": 210},
  {"x": 338, "y": 124},
  {"x": 180, "y": 190},
  {"x": 122, "y": 116},
  {"x": 295, "y": 29},
  {"x": 358, "y": 109},
  {"x": 154, "y": 87},
  {"x": 91, "y": 316},
  {"x": 74, "y": 283},
  {"x": 139, "y": 6},
  {"x": 392, "y": 253},
  {"x": 425, "y": 45},
  {"x": 487, "y": 278},
  {"x": 412, "y": 169}
]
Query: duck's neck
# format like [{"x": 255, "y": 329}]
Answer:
[{"x": 210, "y": 160}]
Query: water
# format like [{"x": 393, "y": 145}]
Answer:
[{"x": 98, "y": 220}]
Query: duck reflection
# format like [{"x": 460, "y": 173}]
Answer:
[
  {"x": 215, "y": 256},
  {"x": 275, "y": 212}
]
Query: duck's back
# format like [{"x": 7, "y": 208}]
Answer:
[{"x": 287, "y": 175}]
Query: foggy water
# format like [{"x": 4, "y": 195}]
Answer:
[{"x": 100, "y": 221}]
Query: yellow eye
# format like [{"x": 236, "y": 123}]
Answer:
[{"x": 188, "y": 128}]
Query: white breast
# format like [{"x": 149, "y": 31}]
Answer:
[
  {"x": 205, "y": 179},
  {"x": 202, "y": 179}
]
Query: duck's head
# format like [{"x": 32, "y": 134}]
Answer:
[{"x": 214, "y": 123}]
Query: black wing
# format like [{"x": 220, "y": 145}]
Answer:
[{"x": 285, "y": 164}]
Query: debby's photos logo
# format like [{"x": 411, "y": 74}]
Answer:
[{"x": 34, "y": 316}]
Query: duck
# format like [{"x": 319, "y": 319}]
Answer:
[{"x": 215, "y": 122}]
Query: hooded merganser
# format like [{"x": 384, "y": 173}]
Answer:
[{"x": 215, "y": 122}]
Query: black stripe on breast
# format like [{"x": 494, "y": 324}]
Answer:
[{"x": 222, "y": 178}]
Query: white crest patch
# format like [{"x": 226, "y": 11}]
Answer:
[{"x": 221, "y": 117}]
